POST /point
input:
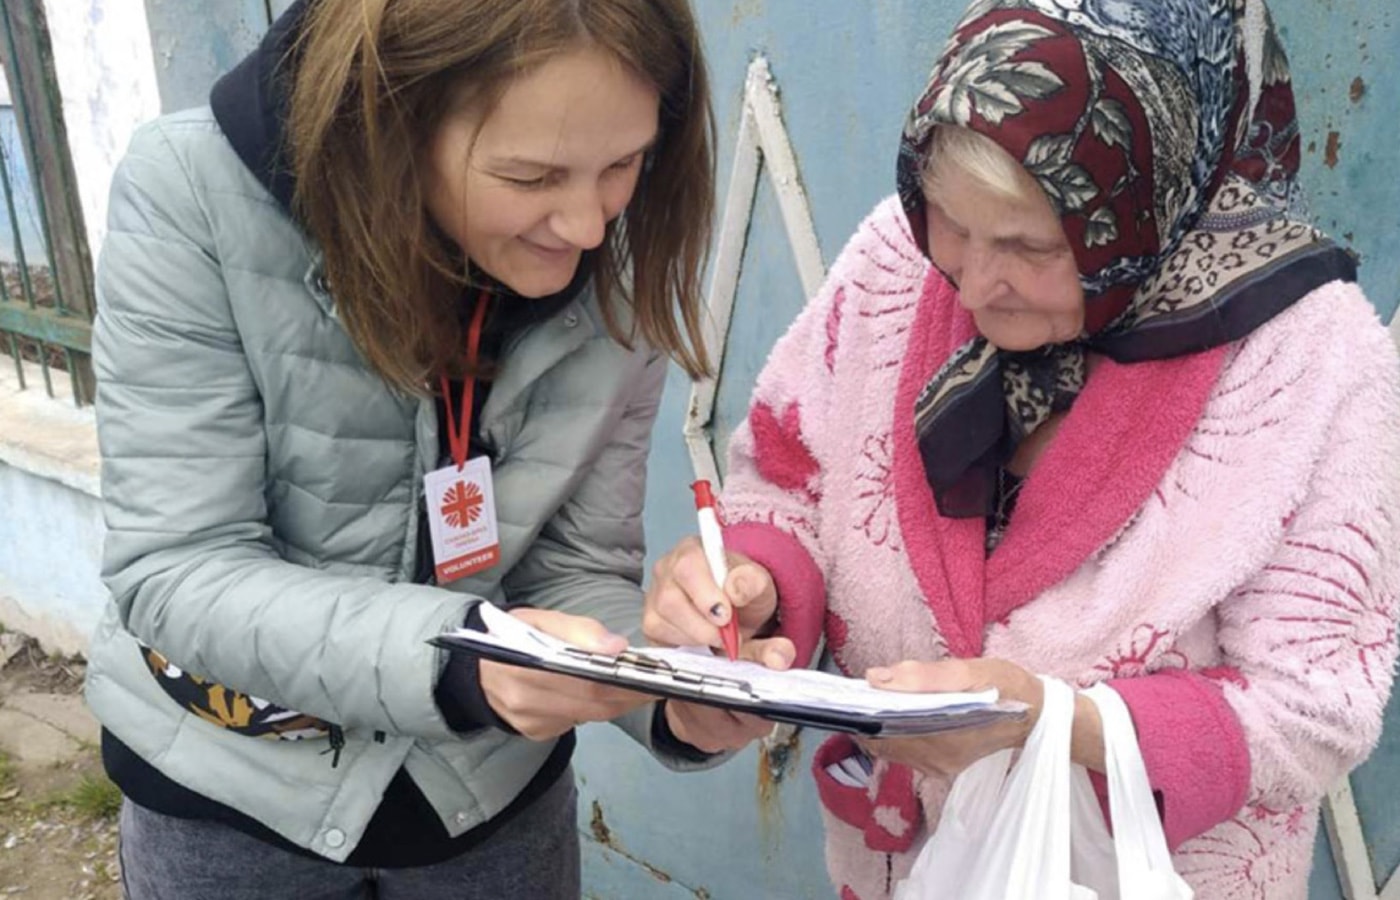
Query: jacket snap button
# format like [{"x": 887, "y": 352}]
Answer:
[
  {"x": 322, "y": 285},
  {"x": 335, "y": 838},
  {"x": 571, "y": 319},
  {"x": 461, "y": 818}
]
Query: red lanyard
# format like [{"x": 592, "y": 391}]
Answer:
[{"x": 460, "y": 440}]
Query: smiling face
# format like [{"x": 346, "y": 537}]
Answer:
[
  {"x": 1007, "y": 253},
  {"x": 526, "y": 189}
]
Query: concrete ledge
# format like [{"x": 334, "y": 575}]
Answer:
[
  {"x": 47, "y": 436},
  {"x": 50, "y": 512}
]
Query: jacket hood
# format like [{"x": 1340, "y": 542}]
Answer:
[{"x": 250, "y": 104}]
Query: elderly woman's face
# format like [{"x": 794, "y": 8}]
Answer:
[{"x": 1010, "y": 260}]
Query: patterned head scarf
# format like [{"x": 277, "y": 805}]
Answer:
[{"x": 1164, "y": 134}]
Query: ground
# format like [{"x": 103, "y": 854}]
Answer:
[{"x": 58, "y": 834}]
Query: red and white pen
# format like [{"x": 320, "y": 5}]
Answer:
[{"x": 712, "y": 541}]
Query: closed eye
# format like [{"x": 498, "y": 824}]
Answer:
[
  {"x": 527, "y": 183},
  {"x": 626, "y": 164},
  {"x": 1018, "y": 245}
]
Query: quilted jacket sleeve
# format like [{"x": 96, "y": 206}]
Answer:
[
  {"x": 588, "y": 560},
  {"x": 188, "y": 556}
]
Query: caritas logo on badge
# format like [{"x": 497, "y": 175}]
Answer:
[
  {"x": 463, "y": 521},
  {"x": 461, "y": 505}
]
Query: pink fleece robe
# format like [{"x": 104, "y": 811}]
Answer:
[{"x": 1215, "y": 535}]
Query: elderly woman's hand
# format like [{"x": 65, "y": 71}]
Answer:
[
  {"x": 684, "y": 606},
  {"x": 948, "y": 754}
]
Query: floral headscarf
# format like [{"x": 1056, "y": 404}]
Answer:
[{"x": 1164, "y": 134}]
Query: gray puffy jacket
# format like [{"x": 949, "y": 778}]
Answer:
[{"x": 261, "y": 485}]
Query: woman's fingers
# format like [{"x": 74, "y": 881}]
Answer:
[
  {"x": 775, "y": 653},
  {"x": 1011, "y": 681},
  {"x": 713, "y": 730},
  {"x": 672, "y": 618},
  {"x": 915, "y": 677},
  {"x": 587, "y": 634},
  {"x": 750, "y": 590},
  {"x": 542, "y": 705},
  {"x": 684, "y": 605}
]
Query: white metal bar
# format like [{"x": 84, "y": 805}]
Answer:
[
  {"x": 762, "y": 137},
  {"x": 1349, "y": 844},
  {"x": 724, "y": 285},
  {"x": 787, "y": 181}
]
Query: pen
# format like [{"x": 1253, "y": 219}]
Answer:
[{"x": 713, "y": 544}]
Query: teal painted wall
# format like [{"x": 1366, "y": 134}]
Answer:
[{"x": 847, "y": 72}]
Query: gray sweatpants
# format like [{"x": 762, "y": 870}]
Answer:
[{"x": 535, "y": 856}]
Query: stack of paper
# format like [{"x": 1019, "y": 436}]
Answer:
[{"x": 800, "y": 696}]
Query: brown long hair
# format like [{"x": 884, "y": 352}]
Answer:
[{"x": 373, "y": 80}]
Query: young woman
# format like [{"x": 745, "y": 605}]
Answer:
[
  {"x": 1085, "y": 400},
  {"x": 382, "y": 335}
]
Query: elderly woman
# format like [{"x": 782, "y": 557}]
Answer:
[{"x": 1085, "y": 400}]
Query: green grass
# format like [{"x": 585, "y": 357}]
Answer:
[
  {"x": 7, "y": 772},
  {"x": 95, "y": 797}
]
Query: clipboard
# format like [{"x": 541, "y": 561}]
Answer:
[{"x": 802, "y": 697}]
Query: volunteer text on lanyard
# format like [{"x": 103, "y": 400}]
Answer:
[{"x": 460, "y": 498}]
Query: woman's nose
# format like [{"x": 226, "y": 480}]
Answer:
[
  {"x": 581, "y": 219},
  {"x": 977, "y": 278}
]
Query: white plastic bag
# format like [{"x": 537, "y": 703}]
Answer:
[
  {"x": 1006, "y": 835},
  {"x": 1037, "y": 831},
  {"x": 1134, "y": 864}
]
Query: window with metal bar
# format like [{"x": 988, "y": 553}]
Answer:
[{"x": 46, "y": 279}]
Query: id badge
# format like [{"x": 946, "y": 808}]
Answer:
[{"x": 462, "y": 519}]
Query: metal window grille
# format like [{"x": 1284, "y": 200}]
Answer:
[{"x": 46, "y": 279}]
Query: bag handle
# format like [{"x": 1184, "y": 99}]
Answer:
[
  {"x": 1144, "y": 862},
  {"x": 1029, "y": 835}
]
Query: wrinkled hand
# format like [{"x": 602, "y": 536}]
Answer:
[
  {"x": 713, "y": 730},
  {"x": 684, "y": 606},
  {"x": 542, "y": 705},
  {"x": 950, "y": 753}
]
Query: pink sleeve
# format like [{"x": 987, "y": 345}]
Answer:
[
  {"x": 801, "y": 588},
  {"x": 778, "y": 456},
  {"x": 1194, "y": 747}
]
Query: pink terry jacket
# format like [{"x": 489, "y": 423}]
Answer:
[{"x": 1215, "y": 535}]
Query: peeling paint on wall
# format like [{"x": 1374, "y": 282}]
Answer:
[{"x": 1334, "y": 145}]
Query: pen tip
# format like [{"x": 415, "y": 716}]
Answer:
[{"x": 729, "y": 634}]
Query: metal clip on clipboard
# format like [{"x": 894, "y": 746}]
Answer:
[{"x": 660, "y": 670}]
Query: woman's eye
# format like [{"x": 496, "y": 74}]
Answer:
[
  {"x": 526, "y": 183},
  {"x": 945, "y": 224}
]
